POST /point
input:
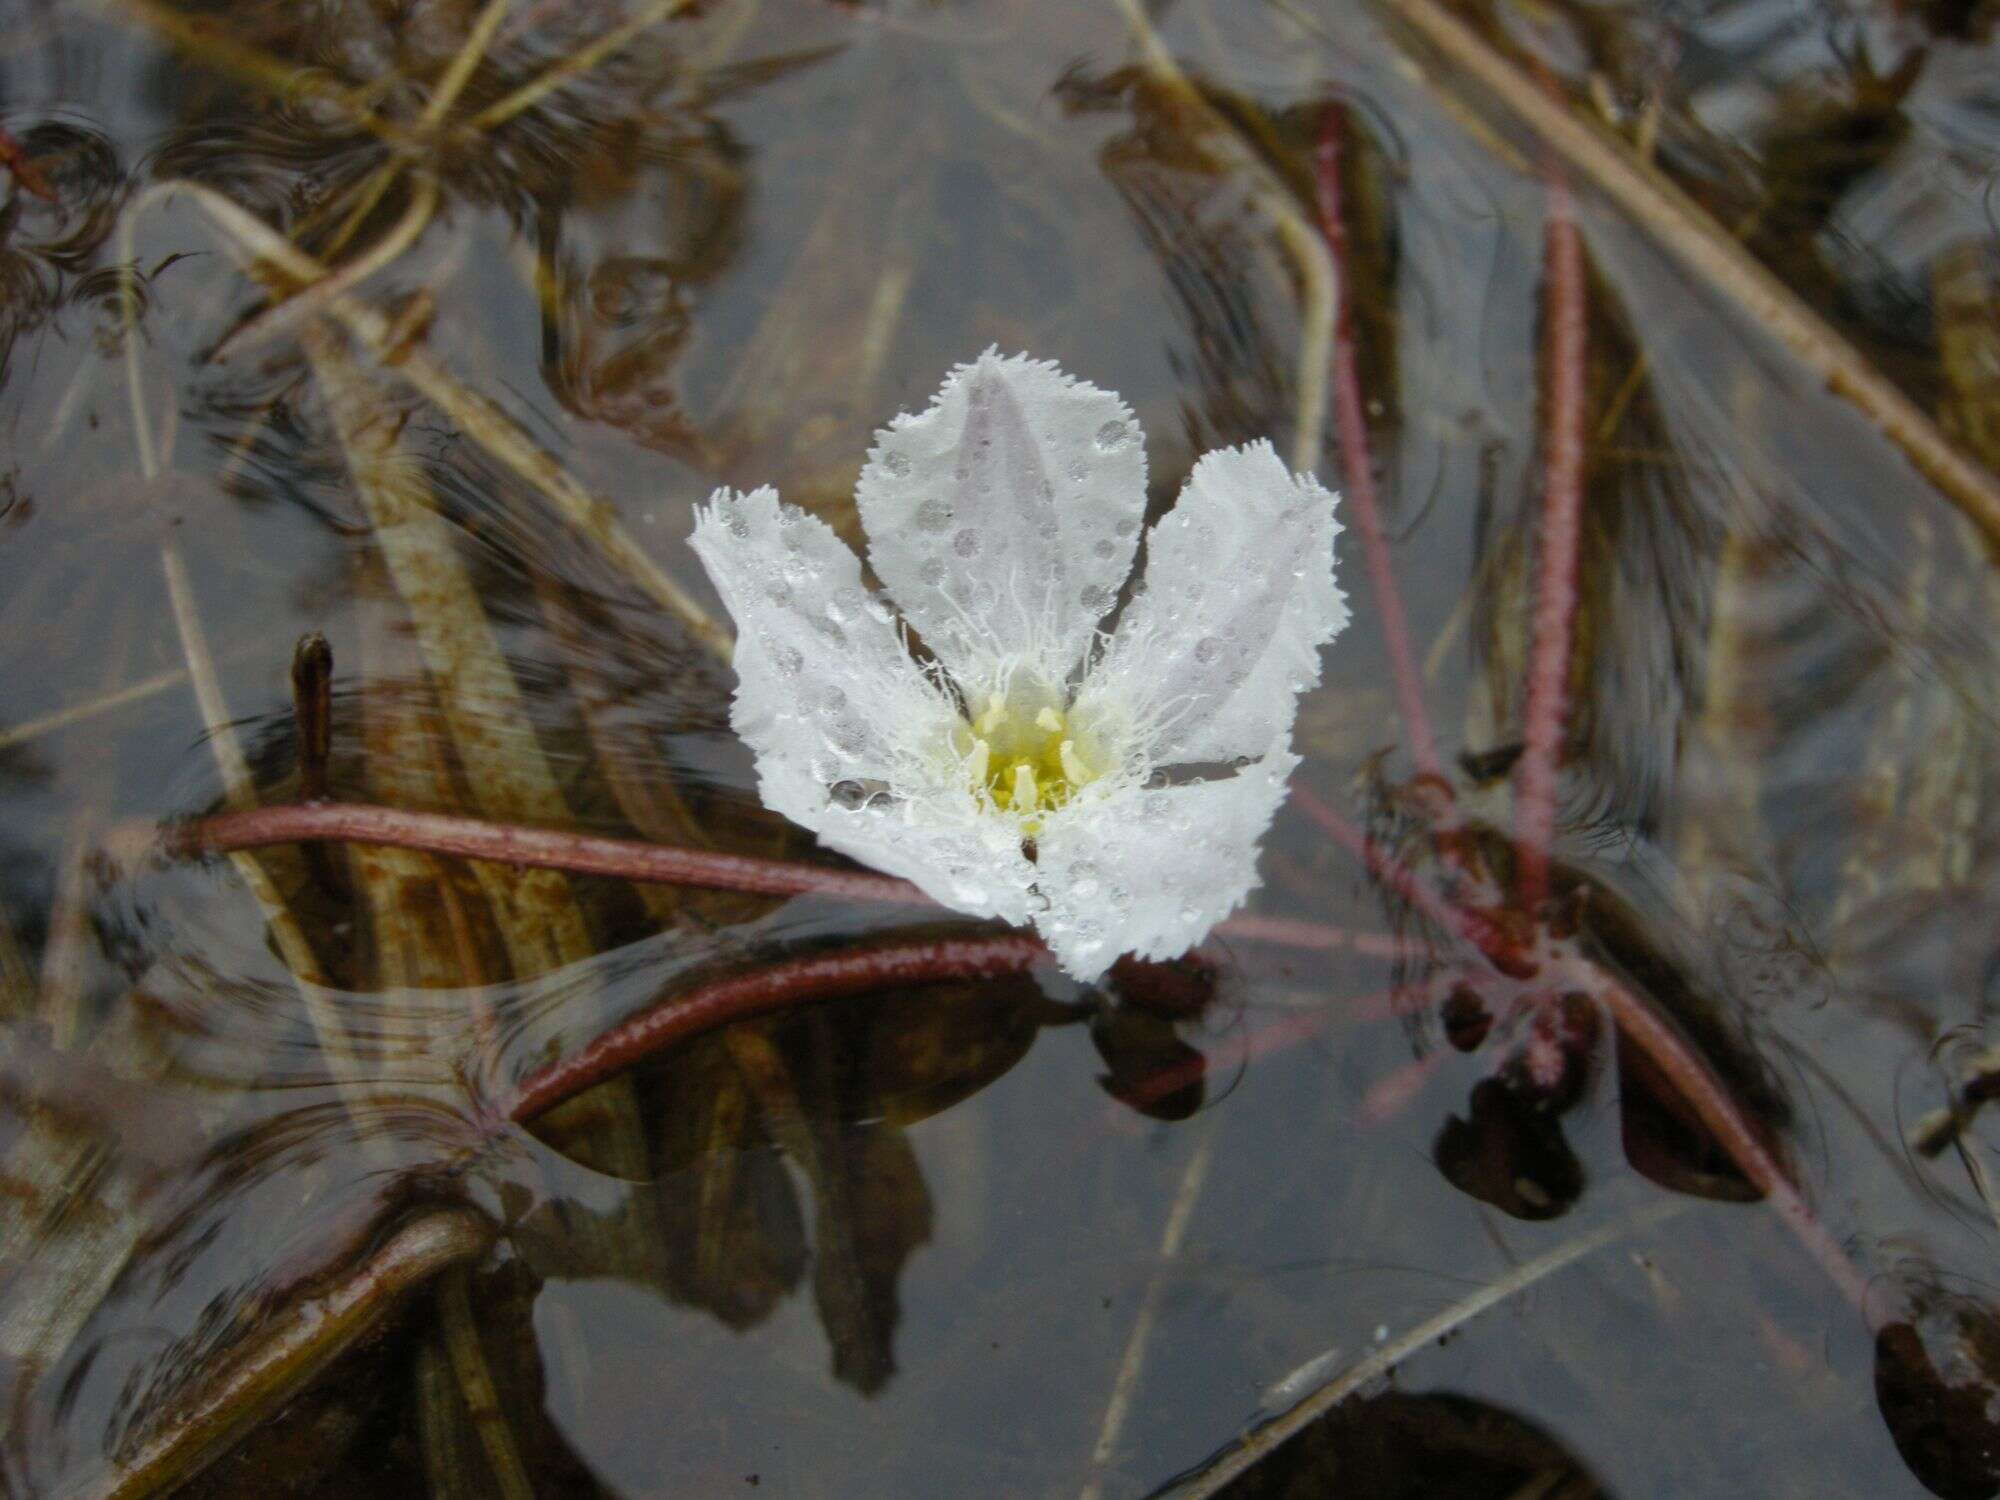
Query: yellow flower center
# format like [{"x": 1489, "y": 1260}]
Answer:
[{"x": 1022, "y": 763}]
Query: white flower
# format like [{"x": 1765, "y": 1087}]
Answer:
[{"x": 1020, "y": 774}]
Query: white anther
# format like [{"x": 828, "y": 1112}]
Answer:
[
  {"x": 1024, "y": 785},
  {"x": 1050, "y": 720},
  {"x": 1072, "y": 764},
  {"x": 977, "y": 762},
  {"x": 995, "y": 715}
]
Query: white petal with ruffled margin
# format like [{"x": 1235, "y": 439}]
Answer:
[
  {"x": 833, "y": 706},
  {"x": 946, "y": 845},
  {"x": 1210, "y": 656},
  {"x": 1150, "y": 870},
  {"x": 1002, "y": 520}
]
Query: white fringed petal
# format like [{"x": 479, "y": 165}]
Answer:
[
  {"x": 1212, "y": 653},
  {"x": 1003, "y": 522},
  {"x": 1150, "y": 870},
  {"x": 945, "y": 845},
  {"x": 852, "y": 740},
  {"x": 1003, "y": 519}
]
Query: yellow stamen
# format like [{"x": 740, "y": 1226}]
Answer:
[{"x": 1021, "y": 760}]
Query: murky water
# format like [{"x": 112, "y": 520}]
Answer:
[{"x": 267, "y": 1229}]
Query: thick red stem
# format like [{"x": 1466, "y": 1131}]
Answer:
[
  {"x": 1351, "y": 427},
  {"x": 542, "y": 848},
  {"x": 803, "y": 981},
  {"x": 1561, "y": 527},
  {"x": 633, "y": 859}
]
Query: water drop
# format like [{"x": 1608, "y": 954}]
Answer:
[
  {"x": 1095, "y": 598},
  {"x": 1207, "y": 649},
  {"x": 786, "y": 659},
  {"x": 848, "y": 793},
  {"x": 1113, "y": 435},
  {"x": 933, "y": 515},
  {"x": 739, "y": 525},
  {"x": 896, "y": 464},
  {"x": 1079, "y": 470},
  {"x": 1126, "y": 527},
  {"x": 1084, "y": 879},
  {"x": 1106, "y": 549},
  {"x": 966, "y": 543},
  {"x": 932, "y": 572}
]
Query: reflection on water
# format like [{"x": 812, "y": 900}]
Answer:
[{"x": 906, "y": 1243}]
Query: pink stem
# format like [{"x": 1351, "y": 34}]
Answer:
[
  {"x": 1290, "y": 932},
  {"x": 1382, "y": 865},
  {"x": 1352, "y": 426},
  {"x": 1689, "y": 1073},
  {"x": 1388, "y": 1097},
  {"x": 635, "y": 859},
  {"x": 541, "y": 848},
  {"x": 781, "y": 986},
  {"x": 1555, "y": 586}
]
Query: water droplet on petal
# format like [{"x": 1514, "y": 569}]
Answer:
[
  {"x": 932, "y": 572},
  {"x": 896, "y": 463},
  {"x": 1095, "y": 598},
  {"x": 966, "y": 543},
  {"x": 1207, "y": 649},
  {"x": 1106, "y": 549},
  {"x": 1083, "y": 880},
  {"x": 739, "y": 525},
  {"x": 933, "y": 515},
  {"x": 1113, "y": 435}
]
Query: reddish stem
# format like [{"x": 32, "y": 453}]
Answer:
[
  {"x": 633, "y": 859},
  {"x": 1640, "y": 1023},
  {"x": 803, "y": 981},
  {"x": 1389, "y": 1096},
  {"x": 540, "y": 848},
  {"x": 1350, "y": 423},
  {"x": 1290, "y": 932},
  {"x": 1382, "y": 865},
  {"x": 1561, "y": 528}
]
